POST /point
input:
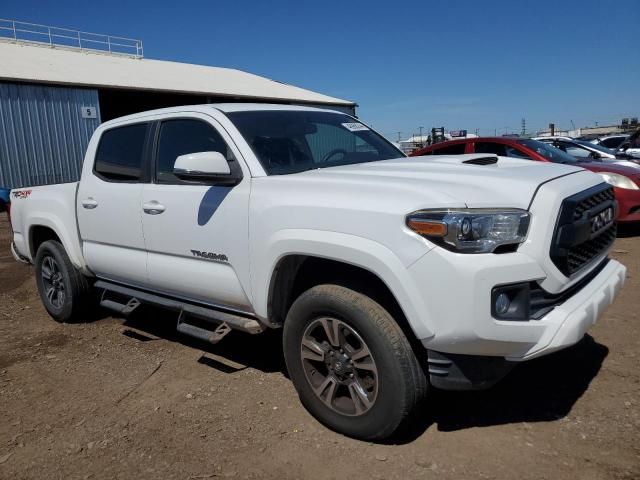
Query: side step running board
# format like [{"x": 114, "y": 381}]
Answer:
[
  {"x": 223, "y": 321},
  {"x": 202, "y": 333}
]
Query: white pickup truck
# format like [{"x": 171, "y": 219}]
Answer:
[{"x": 387, "y": 274}]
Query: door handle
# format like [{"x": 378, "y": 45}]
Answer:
[
  {"x": 89, "y": 203},
  {"x": 153, "y": 207}
]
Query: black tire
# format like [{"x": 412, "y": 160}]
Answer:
[
  {"x": 72, "y": 292},
  {"x": 400, "y": 383}
]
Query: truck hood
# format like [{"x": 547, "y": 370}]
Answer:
[{"x": 446, "y": 181}]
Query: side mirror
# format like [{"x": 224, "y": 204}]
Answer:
[
  {"x": 201, "y": 166},
  {"x": 595, "y": 155}
]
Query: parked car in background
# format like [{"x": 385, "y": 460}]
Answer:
[
  {"x": 631, "y": 146},
  {"x": 612, "y": 141},
  {"x": 584, "y": 150},
  {"x": 4, "y": 199},
  {"x": 625, "y": 179}
]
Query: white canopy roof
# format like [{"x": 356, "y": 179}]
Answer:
[{"x": 59, "y": 65}]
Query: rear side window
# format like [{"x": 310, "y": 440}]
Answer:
[
  {"x": 183, "y": 136},
  {"x": 450, "y": 150},
  {"x": 119, "y": 155},
  {"x": 491, "y": 147}
]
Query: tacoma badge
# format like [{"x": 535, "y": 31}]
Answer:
[{"x": 216, "y": 257}]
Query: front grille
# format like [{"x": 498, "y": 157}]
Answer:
[
  {"x": 592, "y": 201},
  {"x": 582, "y": 231},
  {"x": 582, "y": 254}
]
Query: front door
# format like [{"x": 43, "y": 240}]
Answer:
[
  {"x": 196, "y": 233},
  {"x": 109, "y": 205}
]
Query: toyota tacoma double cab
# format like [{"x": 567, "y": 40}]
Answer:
[{"x": 388, "y": 275}]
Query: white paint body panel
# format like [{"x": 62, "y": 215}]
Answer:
[{"x": 352, "y": 214}]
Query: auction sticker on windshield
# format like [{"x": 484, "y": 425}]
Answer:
[{"x": 355, "y": 127}]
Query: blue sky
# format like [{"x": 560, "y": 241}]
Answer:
[{"x": 464, "y": 64}]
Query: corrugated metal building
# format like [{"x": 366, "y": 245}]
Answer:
[{"x": 53, "y": 97}]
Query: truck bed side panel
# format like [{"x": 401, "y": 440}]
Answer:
[{"x": 50, "y": 206}]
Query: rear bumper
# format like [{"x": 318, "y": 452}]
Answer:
[{"x": 17, "y": 256}]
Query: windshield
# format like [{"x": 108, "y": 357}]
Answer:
[
  {"x": 594, "y": 146},
  {"x": 549, "y": 152},
  {"x": 291, "y": 141}
]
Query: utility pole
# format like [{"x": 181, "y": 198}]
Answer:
[
  {"x": 421, "y": 134},
  {"x": 399, "y": 136},
  {"x": 524, "y": 127}
]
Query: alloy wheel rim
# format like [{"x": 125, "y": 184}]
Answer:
[
  {"x": 53, "y": 282},
  {"x": 339, "y": 366}
]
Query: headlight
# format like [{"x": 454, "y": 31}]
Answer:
[
  {"x": 471, "y": 230},
  {"x": 618, "y": 180}
]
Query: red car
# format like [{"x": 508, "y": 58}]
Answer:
[{"x": 625, "y": 179}]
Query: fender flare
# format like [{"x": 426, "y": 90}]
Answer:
[
  {"x": 68, "y": 239},
  {"x": 358, "y": 251}
]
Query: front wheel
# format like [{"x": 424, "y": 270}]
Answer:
[
  {"x": 65, "y": 292},
  {"x": 350, "y": 362}
]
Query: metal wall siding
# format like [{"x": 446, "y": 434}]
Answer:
[{"x": 43, "y": 136}]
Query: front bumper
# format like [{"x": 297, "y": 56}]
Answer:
[
  {"x": 568, "y": 322},
  {"x": 460, "y": 306}
]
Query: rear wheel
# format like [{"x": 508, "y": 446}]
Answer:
[
  {"x": 64, "y": 291},
  {"x": 350, "y": 362}
]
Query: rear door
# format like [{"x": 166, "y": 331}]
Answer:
[
  {"x": 196, "y": 233},
  {"x": 109, "y": 204}
]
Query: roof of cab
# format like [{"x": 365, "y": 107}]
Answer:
[{"x": 223, "y": 107}]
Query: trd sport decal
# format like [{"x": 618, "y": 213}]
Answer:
[
  {"x": 21, "y": 193},
  {"x": 216, "y": 257}
]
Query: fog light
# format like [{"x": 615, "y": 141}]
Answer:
[{"x": 502, "y": 303}]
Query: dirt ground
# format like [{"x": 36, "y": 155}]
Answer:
[{"x": 129, "y": 398}]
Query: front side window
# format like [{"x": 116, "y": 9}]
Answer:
[
  {"x": 574, "y": 150},
  {"x": 119, "y": 153},
  {"x": 593, "y": 146},
  {"x": 547, "y": 151},
  {"x": 514, "y": 152},
  {"x": 183, "y": 136},
  {"x": 291, "y": 141}
]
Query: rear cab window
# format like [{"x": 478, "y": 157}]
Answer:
[{"x": 119, "y": 157}]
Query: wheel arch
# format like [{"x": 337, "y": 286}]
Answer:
[
  {"x": 305, "y": 259},
  {"x": 43, "y": 228}
]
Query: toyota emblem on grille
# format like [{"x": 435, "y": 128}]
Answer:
[{"x": 602, "y": 220}]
